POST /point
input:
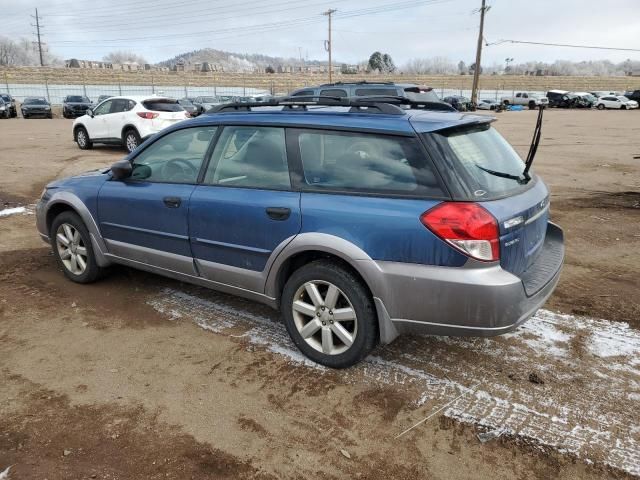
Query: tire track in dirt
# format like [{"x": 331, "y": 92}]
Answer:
[{"x": 560, "y": 382}]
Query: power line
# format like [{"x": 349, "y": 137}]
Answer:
[{"x": 500, "y": 42}]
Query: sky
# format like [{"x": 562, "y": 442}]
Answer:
[{"x": 405, "y": 29}]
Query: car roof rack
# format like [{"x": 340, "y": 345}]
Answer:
[
  {"x": 386, "y": 104},
  {"x": 361, "y": 82}
]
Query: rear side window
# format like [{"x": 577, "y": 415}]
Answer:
[
  {"x": 161, "y": 105},
  {"x": 479, "y": 157},
  {"x": 121, "y": 105},
  {"x": 365, "y": 92},
  {"x": 366, "y": 163},
  {"x": 334, "y": 92},
  {"x": 250, "y": 157}
]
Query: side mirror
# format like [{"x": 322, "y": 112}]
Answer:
[
  {"x": 90, "y": 112},
  {"x": 121, "y": 170}
]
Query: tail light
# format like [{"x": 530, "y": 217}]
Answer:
[
  {"x": 148, "y": 115},
  {"x": 467, "y": 227}
]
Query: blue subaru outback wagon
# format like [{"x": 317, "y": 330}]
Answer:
[{"x": 358, "y": 222}]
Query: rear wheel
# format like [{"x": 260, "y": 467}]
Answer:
[
  {"x": 532, "y": 105},
  {"x": 505, "y": 102},
  {"x": 72, "y": 248},
  {"x": 131, "y": 140},
  {"x": 329, "y": 314},
  {"x": 82, "y": 139},
  {"x": 600, "y": 106},
  {"x": 623, "y": 107}
]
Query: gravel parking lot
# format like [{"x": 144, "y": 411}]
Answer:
[{"x": 138, "y": 376}]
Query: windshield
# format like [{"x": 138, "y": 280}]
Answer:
[
  {"x": 209, "y": 99},
  {"x": 185, "y": 102},
  {"x": 622, "y": 98},
  {"x": 5, "y": 97},
  {"x": 480, "y": 158},
  {"x": 35, "y": 101},
  {"x": 77, "y": 99}
]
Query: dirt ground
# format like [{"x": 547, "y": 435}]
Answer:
[{"x": 138, "y": 376}]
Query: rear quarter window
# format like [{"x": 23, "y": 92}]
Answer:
[
  {"x": 365, "y": 92},
  {"x": 366, "y": 163}
]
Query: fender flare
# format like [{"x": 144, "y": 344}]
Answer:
[
  {"x": 353, "y": 255},
  {"x": 71, "y": 200}
]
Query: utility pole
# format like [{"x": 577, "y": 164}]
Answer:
[
  {"x": 476, "y": 71},
  {"x": 327, "y": 44},
  {"x": 37, "y": 25}
]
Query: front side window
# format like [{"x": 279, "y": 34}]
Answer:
[
  {"x": 366, "y": 163},
  {"x": 252, "y": 157},
  {"x": 103, "y": 108},
  {"x": 174, "y": 158}
]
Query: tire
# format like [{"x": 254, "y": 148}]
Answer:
[
  {"x": 623, "y": 107},
  {"x": 50, "y": 116},
  {"x": 600, "y": 106},
  {"x": 82, "y": 139},
  {"x": 329, "y": 341},
  {"x": 64, "y": 114},
  {"x": 505, "y": 102},
  {"x": 532, "y": 105},
  {"x": 25, "y": 116},
  {"x": 131, "y": 140},
  {"x": 67, "y": 225}
]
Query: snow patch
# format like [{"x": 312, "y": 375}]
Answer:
[{"x": 12, "y": 211}]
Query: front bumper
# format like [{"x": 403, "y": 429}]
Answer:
[{"x": 474, "y": 300}]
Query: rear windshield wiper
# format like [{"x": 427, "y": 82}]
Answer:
[
  {"x": 517, "y": 178},
  {"x": 537, "y": 132}
]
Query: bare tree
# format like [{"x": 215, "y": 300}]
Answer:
[{"x": 123, "y": 56}]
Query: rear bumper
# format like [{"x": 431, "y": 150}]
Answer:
[{"x": 474, "y": 300}]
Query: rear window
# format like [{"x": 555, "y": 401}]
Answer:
[
  {"x": 365, "y": 92},
  {"x": 414, "y": 94},
  {"x": 366, "y": 163},
  {"x": 474, "y": 157},
  {"x": 162, "y": 105}
]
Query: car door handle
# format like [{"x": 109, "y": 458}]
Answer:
[
  {"x": 278, "y": 213},
  {"x": 172, "y": 202}
]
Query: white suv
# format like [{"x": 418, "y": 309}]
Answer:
[
  {"x": 126, "y": 120},
  {"x": 618, "y": 101}
]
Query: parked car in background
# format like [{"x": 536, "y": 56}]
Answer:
[
  {"x": 411, "y": 91},
  {"x": 189, "y": 107},
  {"x": 488, "y": 104},
  {"x": 254, "y": 99},
  {"x": 604, "y": 93},
  {"x": 565, "y": 99},
  {"x": 36, "y": 107},
  {"x": 126, "y": 120},
  {"x": 460, "y": 103},
  {"x": 618, "y": 102},
  {"x": 75, "y": 106},
  {"x": 633, "y": 95},
  {"x": 346, "y": 225},
  {"x": 588, "y": 100},
  {"x": 5, "y": 109},
  {"x": 204, "y": 103},
  {"x": 102, "y": 98},
  {"x": 529, "y": 99},
  {"x": 9, "y": 100}
]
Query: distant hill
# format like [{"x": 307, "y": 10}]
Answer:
[{"x": 232, "y": 62}]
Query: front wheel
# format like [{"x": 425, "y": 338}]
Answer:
[
  {"x": 82, "y": 139},
  {"x": 600, "y": 107},
  {"x": 72, "y": 248},
  {"x": 329, "y": 314},
  {"x": 131, "y": 140},
  {"x": 623, "y": 107}
]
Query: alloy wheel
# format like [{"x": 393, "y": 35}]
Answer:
[
  {"x": 324, "y": 317},
  {"x": 71, "y": 249},
  {"x": 132, "y": 142},
  {"x": 82, "y": 138}
]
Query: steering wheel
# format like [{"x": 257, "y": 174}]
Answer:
[
  {"x": 179, "y": 169},
  {"x": 363, "y": 149}
]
